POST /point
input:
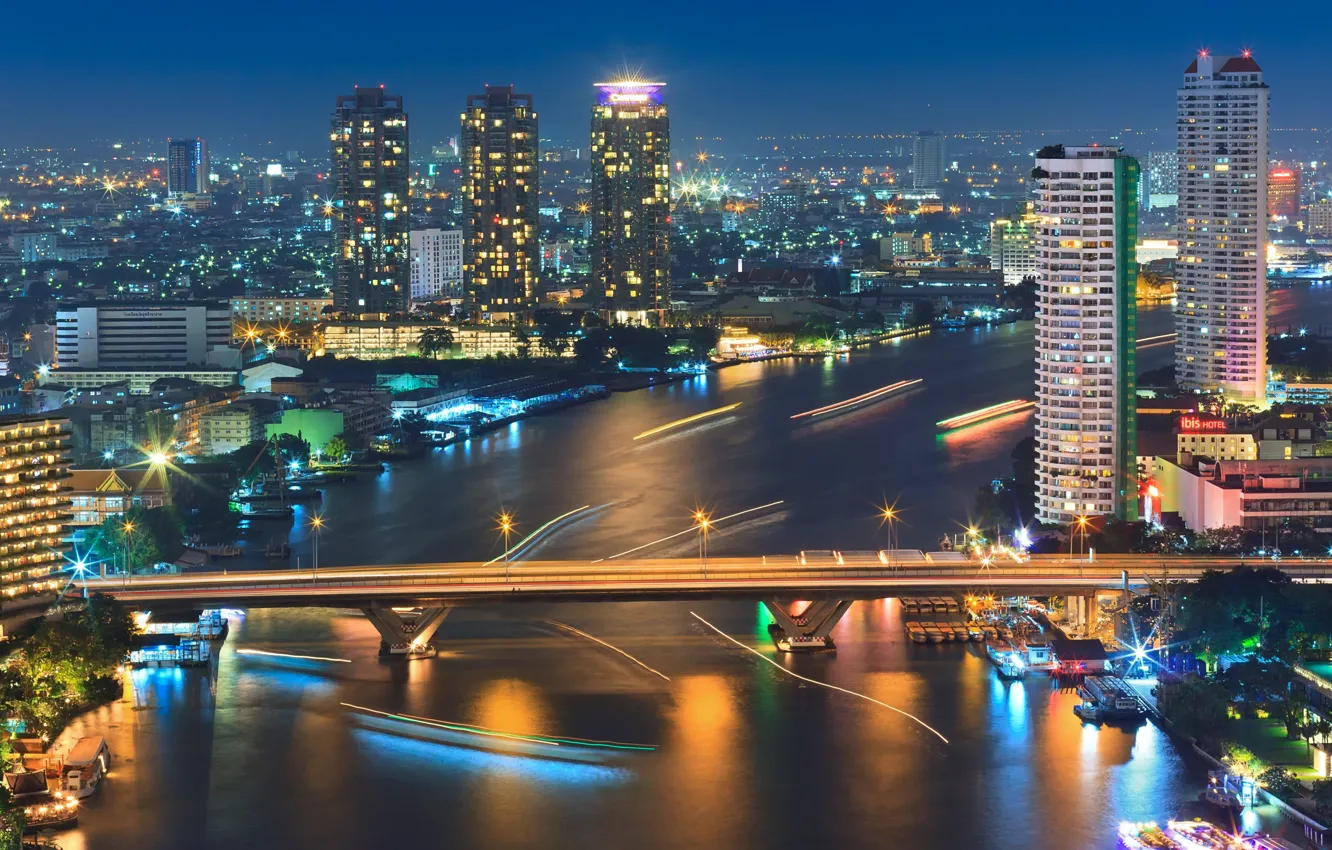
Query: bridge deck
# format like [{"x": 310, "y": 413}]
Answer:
[{"x": 656, "y": 579}]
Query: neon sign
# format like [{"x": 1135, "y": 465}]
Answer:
[{"x": 1199, "y": 425}]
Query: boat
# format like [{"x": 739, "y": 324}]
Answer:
[
  {"x": 42, "y": 808},
  {"x": 916, "y": 633},
  {"x": 268, "y": 513},
  {"x": 974, "y": 632},
  {"x": 1113, "y": 695},
  {"x": 1145, "y": 836},
  {"x": 925, "y": 606},
  {"x": 1089, "y": 711},
  {"x": 910, "y": 605},
  {"x": 1227, "y": 792},
  {"x": 991, "y": 633},
  {"x": 932, "y": 632},
  {"x": 1201, "y": 835},
  {"x": 85, "y": 767}
]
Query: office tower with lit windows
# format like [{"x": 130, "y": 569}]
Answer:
[
  {"x": 368, "y": 141},
  {"x": 187, "y": 167},
  {"x": 1013, "y": 244},
  {"x": 1221, "y": 302},
  {"x": 1162, "y": 179},
  {"x": 927, "y": 162},
  {"x": 1086, "y": 333},
  {"x": 631, "y": 201},
  {"x": 1283, "y": 193},
  {"x": 501, "y": 191}
]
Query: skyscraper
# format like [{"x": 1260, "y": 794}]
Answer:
[
  {"x": 436, "y": 264},
  {"x": 187, "y": 167},
  {"x": 1086, "y": 333},
  {"x": 1013, "y": 244},
  {"x": 370, "y": 202},
  {"x": 1162, "y": 179},
  {"x": 631, "y": 201},
  {"x": 1283, "y": 193},
  {"x": 927, "y": 162},
  {"x": 501, "y": 189},
  {"x": 1221, "y": 304}
]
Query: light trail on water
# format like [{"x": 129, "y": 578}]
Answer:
[
  {"x": 690, "y": 530},
  {"x": 595, "y": 639},
  {"x": 268, "y": 654},
  {"x": 860, "y": 399},
  {"x": 866, "y": 697},
  {"x": 687, "y": 420},
  {"x": 526, "y": 541}
]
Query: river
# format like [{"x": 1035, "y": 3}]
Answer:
[{"x": 257, "y": 752}]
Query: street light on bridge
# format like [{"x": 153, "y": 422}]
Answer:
[
  {"x": 703, "y": 521},
  {"x": 505, "y": 527},
  {"x": 890, "y": 514},
  {"x": 316, "y": 525}
]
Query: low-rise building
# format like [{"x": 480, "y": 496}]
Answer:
[
  {"x": 375, "y": 339},
  {"x": 1253, "y": 494},
  {"x": 477, "y": 341},
  {"x": 96, "y": 494},
  {"x": 230, "y": 427},
  {"x": 140, "y": 381},
  {"x": 256, "y": 313}
]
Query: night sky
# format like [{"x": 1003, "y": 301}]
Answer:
[{"x": 83, "y": 69}]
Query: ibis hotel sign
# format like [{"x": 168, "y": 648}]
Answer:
[{"x": 1191, "y": 423}]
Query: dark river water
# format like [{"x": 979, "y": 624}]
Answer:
[{"x": 258, "y": 752}]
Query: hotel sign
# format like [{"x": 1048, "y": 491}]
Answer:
[{"x": 1193, "y": 424}]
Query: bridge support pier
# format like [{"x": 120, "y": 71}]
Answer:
[
  {"x": 406, "y": 633},
  {"x": 808, "y": 631}
]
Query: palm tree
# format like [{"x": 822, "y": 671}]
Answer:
[{"x": 435, "y": 341}]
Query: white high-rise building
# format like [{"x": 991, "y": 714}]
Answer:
[
  {"x": 1221, "y": 306},
  {"x": 1086, "y": 333},
  {"x": 436, "y": 264},
  {"x": 927, "y": 162},
  {"x": 1013, "y": 244}
]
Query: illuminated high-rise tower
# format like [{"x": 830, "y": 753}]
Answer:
[
  {"x": 631, "y": 201},
  {"x": 927, "y": 162},
  {"x": 501, "y": 188},
  {"x": 370, "y": 182},
  {"x": 187, "y": 167},
  {"x": 1221, "y": 303},
  {"x": 1086, "y": 333}
]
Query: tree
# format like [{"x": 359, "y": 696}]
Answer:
[
  {"x": 435, "y": 341},
  {"x": 1279, "y": 781},
  {"x": 557, "y": 330},
  {"x": 1322, "y": 796},
  {"x": 126, "y": 538},
  {"x": 335, "y": 451},
  {"x": 1197, "y": 708}
]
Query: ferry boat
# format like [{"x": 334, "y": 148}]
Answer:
[
  {"x": 85, "y": 767},
  {"x": 916, "y": 632},
  {"x": 1269, "y": 842},
  {"x": 1232, "y": 793},
  {"x": 1108, "y": 698},
  {"x": 1146, "y": 836},
  {"x": 1201, "y": 835},
  {"x": 932, "y": 632}
]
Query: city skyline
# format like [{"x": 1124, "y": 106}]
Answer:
[{"x": 912, "y": 85}]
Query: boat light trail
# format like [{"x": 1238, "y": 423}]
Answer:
[
  {"x": 529, "y": 538},
  {"x": 289, "y": 655},
  {"x": 913, "y": 717},
  {"x": 688, "y": 419},
  {"x": 1157, "y": 341},
  {"x": 984, "y": 413},
  {"x": 860, "y": 399},
  {"x": 691, "y": 530},
  {"x": 582, "y": 633},
  {"x": 469, "y": 729}
]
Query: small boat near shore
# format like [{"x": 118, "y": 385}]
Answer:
[
  {"x": 1146, "y": 836},
  {"x": 916, "y": 633}
]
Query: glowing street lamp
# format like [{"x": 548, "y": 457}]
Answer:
[
  {"x": 316, "y": 525},
  {"x": 703, "y": 522},
  {"x": 889, "y": 515},
  {"x": 128, "y": 528},
  {"x": 505, "y": 526}
]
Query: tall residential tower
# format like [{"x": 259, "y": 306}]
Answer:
[
  {"x": 501, "y": 189},
  {"x": 631, "y": 201},
  {"x": 1221, "y": 303},
  {"x": 370, "y": 178},
  {"x": 187, "y": 167},
  {"x": 1086, "y": 333},
  {"x": 927, "y": 162}
]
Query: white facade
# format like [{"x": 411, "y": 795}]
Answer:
[
  {"x": 436, "y": 264},
  {"x": 148, "y": 335},
  {"x": 276, "y": 311},
  {"x": 1221, "y": 308},
  {"x": 1013, "y": 246},
  {"x": 1081, "y": 384}
]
